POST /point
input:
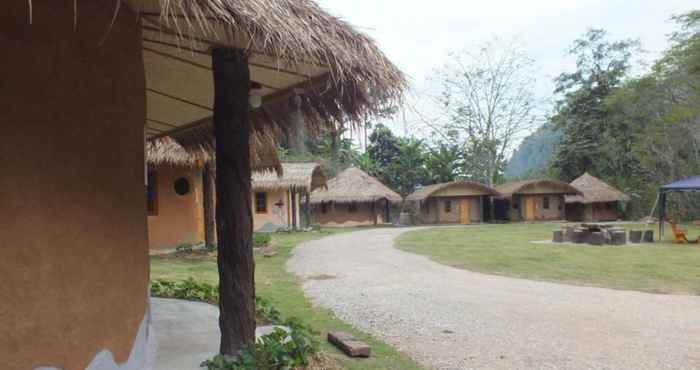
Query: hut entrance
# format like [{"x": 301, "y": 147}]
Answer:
[
  {"x": 464, "y": 212},
  {"x": 530, "y": 209}
]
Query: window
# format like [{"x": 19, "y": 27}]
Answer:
[
  {"x": 516, "y": 203},
  {"x": 545, "y": 202},
  {"x": 261, "y": 202},
  {"x": 182, "y": 186},
  {"x": 448, "y": 206},
  {"x": 352, "y": 207},
  {"x": 152, "y": 193}
]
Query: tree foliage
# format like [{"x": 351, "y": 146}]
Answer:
[
  {"x": 488, "y": 102},
  {"x": 582, "y": 114}
]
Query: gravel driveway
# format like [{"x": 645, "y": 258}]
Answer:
[{"x": 447, "y": 318}]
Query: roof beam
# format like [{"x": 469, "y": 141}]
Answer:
[{"x": 173, "y": 97}]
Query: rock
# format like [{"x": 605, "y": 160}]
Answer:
[
  {"x": 619, "y": 237},
  {"x": 635, "y": 236},
  {"x": 558, "y": 236},
  {"x": 597, "y": 238},
  {"x": 349, "y": 344},
  {"x": 569, "y": 234},
  {"x": 268, "y": 251}
]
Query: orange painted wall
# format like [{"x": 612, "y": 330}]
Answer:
[
  {"x": 74, "y": 264},
  {"x": 274, "y": 215},
  {"x": 180, "y": 218}
]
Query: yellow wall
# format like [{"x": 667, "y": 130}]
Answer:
[
  {"x": 74, "y": 264},
  {"x": 433, "y": 210},
  {"x": 555, "y": 212},
  {"x": 180, "y": 219},
  {"x": 276, "y": 215}
]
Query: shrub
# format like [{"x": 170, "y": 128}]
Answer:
[
  {"x": 189, "y": 289},
  {"x": 261, "y": 240},
  {"x": 184, "y": 249},
  {"x": 279, "y": 350},
  {"x": 193, "y": 290},
  {"x": 265, "y": 312}
]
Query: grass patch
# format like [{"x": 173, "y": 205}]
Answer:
[
  {"x": 284, "y": 291},
  {"x": 508, "y": 250}
]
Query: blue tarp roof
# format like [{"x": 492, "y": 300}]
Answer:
[{"x": 689, "y": 184}]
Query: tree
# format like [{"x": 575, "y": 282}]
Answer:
[
  {"x": 397, "y": 162},
  {"x": 444, "y": 163},
  {"x": 582, "y": 116},
  {"x": 489, "y": 103},
  {"x": 660, "y": 112}
]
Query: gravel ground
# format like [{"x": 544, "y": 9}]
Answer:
[{"x": 447, "y": 318}]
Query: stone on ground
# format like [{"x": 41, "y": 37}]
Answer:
[{"x": 349, "y": 344}]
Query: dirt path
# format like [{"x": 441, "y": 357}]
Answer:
[{"x": 453, "y": 319}]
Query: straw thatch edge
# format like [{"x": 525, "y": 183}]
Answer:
[
  {"x": 296, "y": 176},
  {"x": 429, "y": 190},
  {"x": 508, "y": 189},
  {"x": 595, "y": 190},
  {"x": 354, "y": 186}
]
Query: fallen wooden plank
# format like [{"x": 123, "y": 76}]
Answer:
[{"x": 349, "y": 344}]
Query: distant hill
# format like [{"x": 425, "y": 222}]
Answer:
[{"x": 534, "y": 153}]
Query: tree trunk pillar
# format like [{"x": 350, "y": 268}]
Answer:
[{"x": 234, "y": 217}]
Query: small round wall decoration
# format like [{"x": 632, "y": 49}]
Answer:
[{"x": 182, "y": 186}]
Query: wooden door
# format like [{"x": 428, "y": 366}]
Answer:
[
  {"x": 530, "y": 208},
  {"x": 464, "y": 214}
]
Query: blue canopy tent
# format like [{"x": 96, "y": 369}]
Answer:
[{"x": 691, "y": 184}]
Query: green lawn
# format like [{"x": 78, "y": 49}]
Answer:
[
  {"x": 284, "y": 291},
  {"x": 508, "y": 250}
]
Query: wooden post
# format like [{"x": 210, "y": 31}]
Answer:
[
  {"x": 208, "y": 193},
  {"x": 234, "y": 216},
  {"x": 293, "y": 198},
  {"x": 307, "y": 211},
  {"x": 374, "y": 212}
]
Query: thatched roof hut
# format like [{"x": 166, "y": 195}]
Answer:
[
  {"x": 595, "y": 190},
  {"x": 427, "y": 191},
  {"x": 507, "y": 190},
  {"x": 304, "y": 177},
  {"x": 354, "y": 186}
]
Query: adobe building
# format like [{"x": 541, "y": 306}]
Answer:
[
  {"x": 83, "y": 87},
  {"x": 460, "y": 202},
  {"x": 282, "y": 201},
  {"x": 353, "y": 198},
  {"x": 598, "y": 201},
  {"x": 532, "y": 200}
]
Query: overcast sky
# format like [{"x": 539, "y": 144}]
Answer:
[{"x": 418, "y": 35}]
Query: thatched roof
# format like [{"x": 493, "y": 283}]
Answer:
[
  {"x": 595, "y": 190},
  {"x": 296, "y": 176},
  {"x": 166, "y": 151},
  {"x": 427, "y": 191},
  {"x": 354, "y": 185},
  {"x": 303, "y": 58},
  {"x": 526, "y": 187}
]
